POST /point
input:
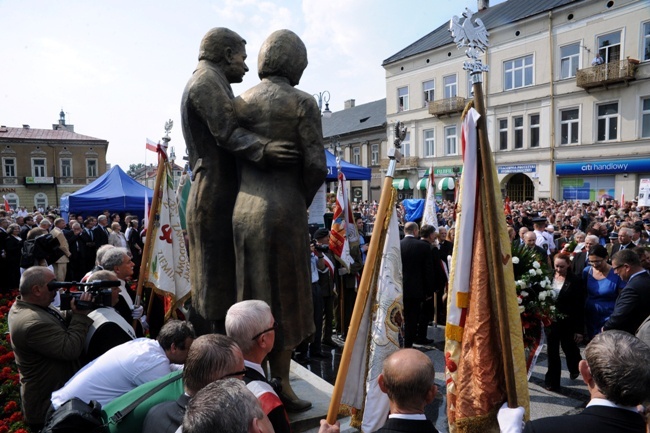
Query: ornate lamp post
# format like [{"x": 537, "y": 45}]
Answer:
[{"x": 324, "y": 97}]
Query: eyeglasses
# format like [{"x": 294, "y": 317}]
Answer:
[
  {"x": 236, "y": 373},
  {"x": 273, "y": 328},
  {"x": 616, "y": 267},
  {"x": 596, "y": 262}
]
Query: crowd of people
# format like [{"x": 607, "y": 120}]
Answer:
[{"x": 596, "y": 251}]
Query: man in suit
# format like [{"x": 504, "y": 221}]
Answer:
[
  {"x": 618, "y": 378},
  {"x": 567, "y": 236},
  {"x": 624, "y": 240},
  {"x": 417, "y": 274},
  {"x": 408, "y": 380},
  {"x": 100, "y": 231},
  {"x": 61, "y": 265},
  {"x": 87, "y": 237},
  {"x": 428, "y": 234},
  {"x": 211, "y": 357},
  {"x": 581, "y": 260},
  {"x": 633, "y": 303},
  {"x": 252, "y": 325},
  {"x": 47, "y": 344}
]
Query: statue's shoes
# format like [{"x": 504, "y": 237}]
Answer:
[{"x": 294, "y": 405}]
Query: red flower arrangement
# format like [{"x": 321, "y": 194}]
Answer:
[{"x": 11, "y": 418}]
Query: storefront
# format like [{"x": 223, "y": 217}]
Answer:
[
  {"x": 447, "y": 179},
  {"x": 517, "y": 183},
  {"x": 595, "y": 180}
]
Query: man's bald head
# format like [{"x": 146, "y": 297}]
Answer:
[{"x": 408, "y": 380}]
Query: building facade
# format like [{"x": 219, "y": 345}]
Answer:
[
  {"x": 39, "y": 166},
  {"x": 562, "y": 124},
  {"x": 358, "y": 132}
]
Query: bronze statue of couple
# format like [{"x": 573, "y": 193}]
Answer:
[{"x": 257, "y": 161}]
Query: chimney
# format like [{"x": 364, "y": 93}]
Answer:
[
  {"x": 483, "y": 4},
  {"x": 25, "y": 126},
  {"x": 348, "y": 104}
]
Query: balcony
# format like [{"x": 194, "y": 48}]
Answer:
[
  {"x": 407, "y": 163},
  {"x": 620, "y": 71},
  {"x": 447, "y": 106}
]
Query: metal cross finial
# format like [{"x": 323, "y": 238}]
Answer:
[{"x": 475, "y": 38}]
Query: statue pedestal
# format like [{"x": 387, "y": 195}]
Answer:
[{"x": 309, "y": 386}]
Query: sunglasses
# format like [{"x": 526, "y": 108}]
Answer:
[{"x": 273, "y": 328}]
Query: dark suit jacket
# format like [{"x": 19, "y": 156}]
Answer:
[
  {"x": 166, "y": 417},
  {"x": 632, "y": 305},
  {"x": 578, "y": 263},
  {"x": 601, "y": 419},
  {"x": 571, "y": 302},
  {"x": 417, "y": 268},
  {"x": 101, "y": 237},
  {"x": 616, "y": 247},
  {"x": 396, "y": 425}
]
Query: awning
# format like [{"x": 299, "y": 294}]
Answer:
[
  {"x": 446, "y": 183},
  {"x": 422, "y": 183},
  {"x": 401, "y": 183}
]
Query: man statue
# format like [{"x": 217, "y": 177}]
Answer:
[
  {"x": 215, "y": 143},
  {"x": 270, "y": 214}
]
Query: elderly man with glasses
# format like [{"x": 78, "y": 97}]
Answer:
[{"x": 251, "y": 324}]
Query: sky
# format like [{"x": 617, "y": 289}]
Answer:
[{"x": 118, "y": 68}]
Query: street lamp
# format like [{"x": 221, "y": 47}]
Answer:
[{"x": 321, "y": 97}]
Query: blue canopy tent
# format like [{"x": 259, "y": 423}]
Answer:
[
  {"x": 115, "y": 191},
  {"x": 351, "y": 171}
]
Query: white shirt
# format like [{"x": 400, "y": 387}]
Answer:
[
  {"x": 544, "y": 240},
  {"x": 116, "y": 372}
]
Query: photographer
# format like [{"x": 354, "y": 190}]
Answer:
[
  {"x": 109, "y": 329},
  {"x": 40, "y": 249},
  {"x": 46, "y": 343}
]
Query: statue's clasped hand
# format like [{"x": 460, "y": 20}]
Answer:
[{"x": 281, "y": 153}]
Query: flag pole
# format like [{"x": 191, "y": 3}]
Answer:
[
  {"x": 383, "y": 212},
  {"x": 155, "y": 203},
  {"x": 492, "y": 232}
]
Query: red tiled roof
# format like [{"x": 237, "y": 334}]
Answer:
[{"x": 43, "y": 134}]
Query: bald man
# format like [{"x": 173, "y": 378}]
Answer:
[{"x": 408, "y": 380}]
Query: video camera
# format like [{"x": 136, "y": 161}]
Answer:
[
  {"x": 100, "y": 289},
  {"x": 320, "y": 247}
]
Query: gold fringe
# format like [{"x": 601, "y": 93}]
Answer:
[
  {"x": 462, "y": 299},
  {"x": 469, "y": 105},
  {"x": 345, "y": 410},
  {"x": 454, "y": 332},
  {"x": 478, "y": 424}
]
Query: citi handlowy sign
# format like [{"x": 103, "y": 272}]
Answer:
[{"x": 603, "y": 167}]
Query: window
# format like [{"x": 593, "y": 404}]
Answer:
[
  {"x": 645, "y": 117},
  {"x": 9, "y": 167},
  {"x": 609, "y": 46},
  {"x": 91, "y": 168},
  {"x": 406, "y": 145},
  {"x": 66, "y": 167},
  {"x": 451, "y": 147},
  {"x": 13, "y": 200},
  {"x": 519, "y": 131},
  {"x": 533, "y": 121},
  {"x": 403, "y": 99},
  {"x": 646, "y": 41},
  {"x": 503, "y": 134},
  {"x": 451, "y": 87},
  {"x": 374, "y": 154},
  {"x": 356, "y": 155},
  {"x": 428, "y": 87},
  {"x": 518, "y": 73},
  {"x": 569, "y": 126},
  {"x": 38, "y": 167},
  {"x": 569, "y": 60},
  {"x": 608, "y": 121},
  {"x": 40, "y": 201},
  {"x": 429, "y": 143}
]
